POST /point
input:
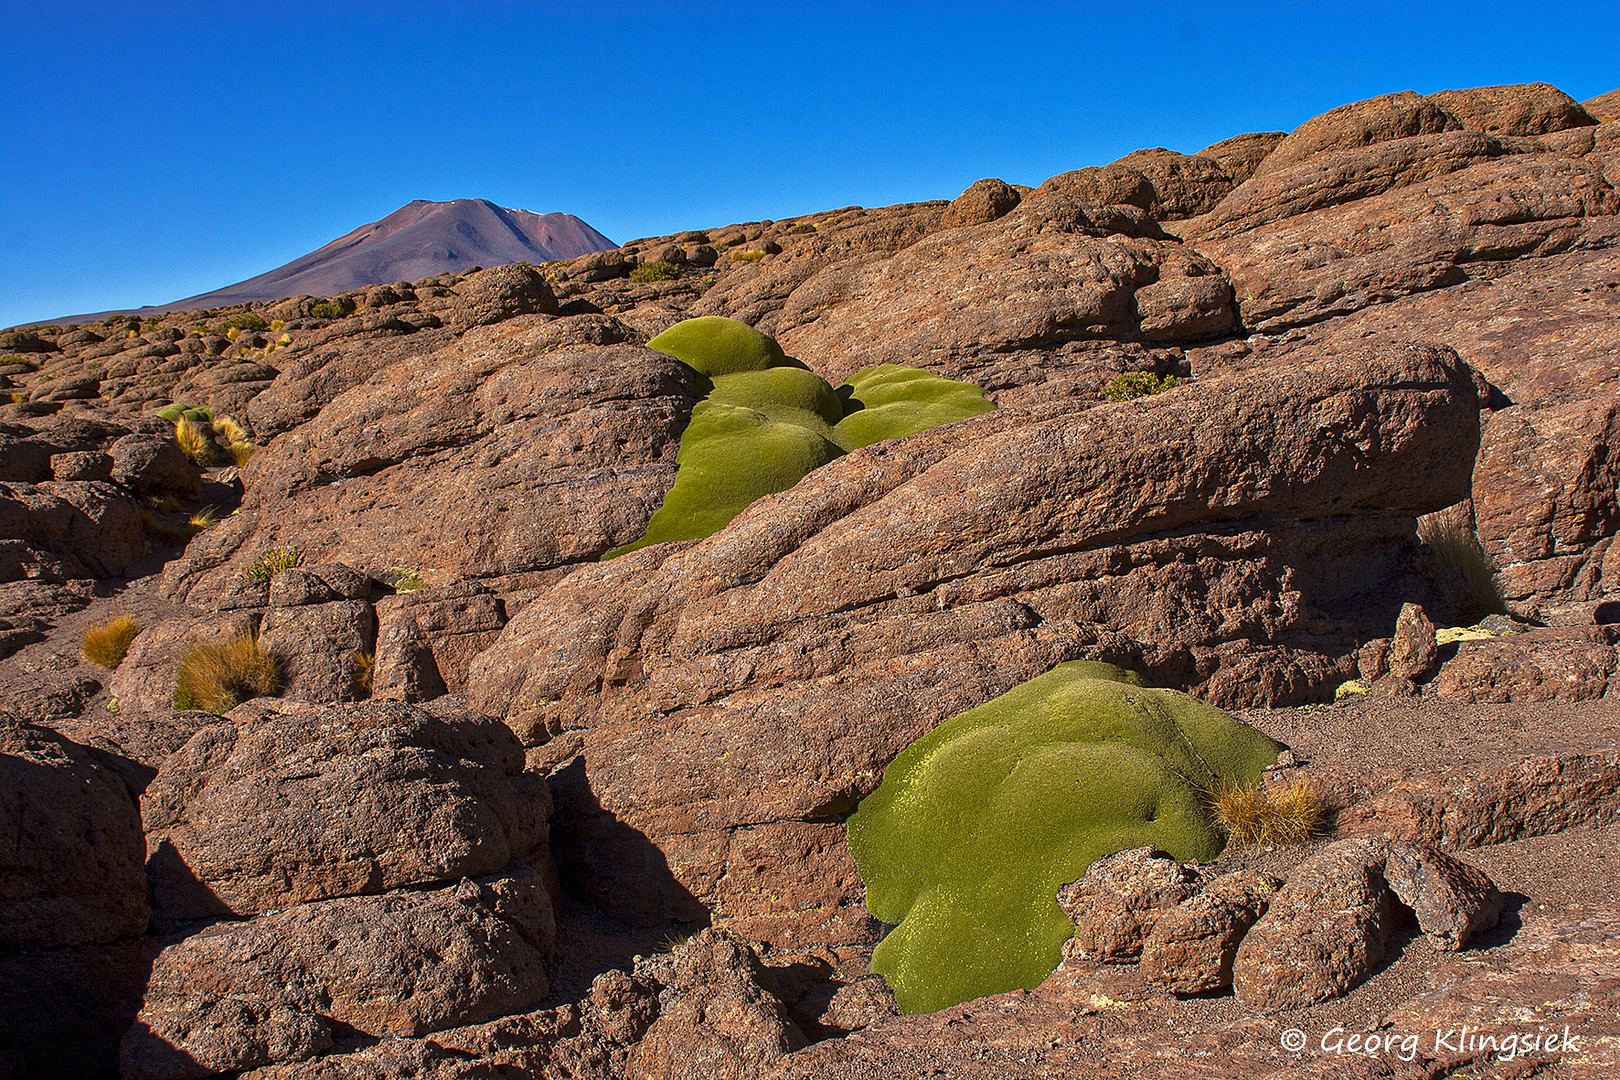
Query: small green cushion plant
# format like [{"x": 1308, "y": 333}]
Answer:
[
  {"x": 890, "y": 401},
  {"x": 181, "y": 410},
  {"x": 979, "y": 823},
  {"x": 712, "y": 345}
]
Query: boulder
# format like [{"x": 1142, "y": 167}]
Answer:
[
  {"x": 1558, "y": 664},
  {"x": 1361, "y": 123},
  {"x": 522, "y": 446},
  {"x": 426, "y": 640},
  {"x": 1324, "y": 933},
  {"x": 70, "y": 845},
  {"x": 718, "y": 1017},
  {"x": 274, "y": 989},
  {"x": 144, "y": 680},
  {"x": 72, "y": 529},
  {"x": 1118, "y": 902},
  {"x": 348, "y": 800},
  {"x": 1412, "y": 651},
  {"x": 1452, "y": 900},
  {"x": 1527, "y": 109},
  {"x": 500, "y": 293},
  {"x": 317, "y": 584},
  {"x": 323, "y": 648},
  {"x": 984, "y": 200},
  {"x": 1190, "y": 948}
]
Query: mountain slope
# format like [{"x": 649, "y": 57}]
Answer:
[{"x": 419, "y": 239}]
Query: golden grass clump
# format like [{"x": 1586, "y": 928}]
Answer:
[
  {"x": 237, "y": 443},
  {"x": 365, "y": 664},
  {"x": 194, "y": 442},
  {"x": 105, "y": 645},
  {"x": 219, "y": 677},
  {"x": 1451, "y": 535},
  {"x": 202, "y": 519},
  {"x": 1256, "y": 814}
]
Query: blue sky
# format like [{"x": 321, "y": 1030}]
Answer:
[{"x": 153, "y": 151}]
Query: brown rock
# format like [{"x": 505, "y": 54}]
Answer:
[
  {"x": 718, "y": 1019},
  {"x": 343, "y": 801},
  {"x": 318, "y": 584},
  {"x": 1604, "y": 107},
  {"x": 501, "y": 293},
  {"x": 1567, "y": 664},
  {"x": 1190, "y": 948},
  {"x": 1240, "y": 155},
  {"x": 77, "y": 529},
  {"x": 1412, "y": 652},
  {"x": 1528, "y": 109},
  {"x": 238, "y": 995},
  {"x": 565, "y": 450},
  {"x": 1545, "y": 499},
  {"x": 1053, "y": 270},
  {"x": 426, "y": 640},
  {"x": 1324, "y": 933},
  {"x": 1116, "y": 905},
  {"x": 984, "y": 200},
  {"x": 70, "y": 846},
  {"x": 319, "y": 647},
  {"x": 1340, "y": 259},
  {"x": 1452, "y": 900},
  {"x": 1184, "y": 185},
  {"x": 1361, "y": 123},
  {"x": 1372, "y": 662},
  {"x": 1471, "y": 806}
]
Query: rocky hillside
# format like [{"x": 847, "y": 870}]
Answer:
[{"x": 513, "y": 808}]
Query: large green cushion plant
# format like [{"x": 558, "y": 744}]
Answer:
[
  {"x": 979, "y": 823},
  {"x": 767, "y": 420}
]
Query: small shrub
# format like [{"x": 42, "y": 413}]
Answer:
[
  {"x": 408, "y": 580},
  {"x": 18, "y": 399},
  {"x": 330, "y": 309},
  {"x": 660, "y": 270},
  {"x": 277, "y": 325},
  {"x": 194, "y": 442},
  {"x": 245, "y": 320},
  {"x": 105, "y": 645},
  {"x": 1255, "y": 814},
  {"x": 272, "y": 562},
  {"x": 1349, "y": 688},
  {"x": 1134, "y": 384},
  {"x": 1450, "y": 534},
  {"x": 217, "y": 678},
  {"x": 747, "y": 255}
]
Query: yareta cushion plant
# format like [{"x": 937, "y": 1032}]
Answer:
[
  {"x": 767, "y": 420},
  {"x": 979, "y": 823}
]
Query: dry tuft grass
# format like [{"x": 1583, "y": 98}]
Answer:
[
  {"x": 194, "y": 442},
  {"x": 105, "y": 645},
  {"x": 1451, "y": 534},
  {"x": 217, "y": 678},
  {"x": 365, "y": 664},
  {"x": 202, "y": 519},
  {"x": 236, "y": 441},
  {"x": 1255, "y": 814}
]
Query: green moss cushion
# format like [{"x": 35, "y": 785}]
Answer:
[
  {"x": 731, "y": 455},
  {"x": 182, "y": 411},
  {"x": 890, "y": 401},
  {"x": 979, "y": 823},
  {"x": 767, "y": 420},
  {"x": 714, "y": 345},
  {"x": 774, "y": 389}
]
